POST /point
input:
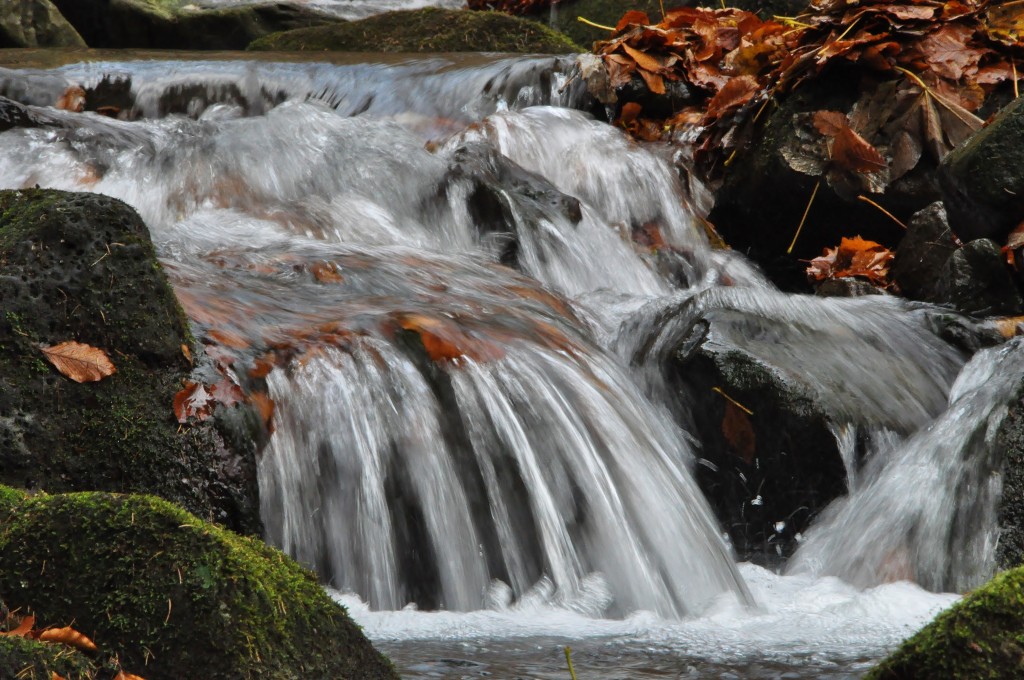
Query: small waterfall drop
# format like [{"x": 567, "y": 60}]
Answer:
[{"x": 461, "y": 294}]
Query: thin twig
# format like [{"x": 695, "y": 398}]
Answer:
[
  {"x": 803, "y": 219},
  {"x": 662, "y": 4},
  {"x": 884, "y": 211},
  {"x": 588, "y": 22},
  {"x": 568, "y": 660},
  {"x": 733, "y": 401},
  {"x": 1013, "y": 65}
]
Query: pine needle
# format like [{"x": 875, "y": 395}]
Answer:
[
  {"x": 884, "y": 211},
  {"x": 568, "y": 660},
  {"x": 662, "y": 4},
  {"x": 733, "y": 401},
  {"x": 588, "y": 22},
  {"x": 1013, "y": 65},
  {"x": 807, "y": 210}
]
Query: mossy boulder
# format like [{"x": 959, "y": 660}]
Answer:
[
  {"x": 180, "y": 24},
  {"x": 173, "y": 596},
  {"x": 981, "y": 637},
  {"x": 983, "y": 178},
  {"x": 36, "y": 23},
  {"x": 24, "y": 658},
  {"x": 425, "y": 30},
  {"x": 81, "y": 267}
]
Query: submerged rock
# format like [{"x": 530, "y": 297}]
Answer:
[
  {"x": 180, "y": 24},
  {"x": 36, "y": 23},
  {"x": 81, "y": 267},
  {"x": 424, "y": 30},
  {"x": 175, "y": 597},
  {"x": 980, "y": 637}
]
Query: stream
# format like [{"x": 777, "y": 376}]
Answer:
[{"x": 432, "y": 264}]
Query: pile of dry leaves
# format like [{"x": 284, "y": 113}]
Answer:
[{"x": 932, "y": 63}]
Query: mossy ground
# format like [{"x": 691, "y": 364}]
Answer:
[
  {"x": 981, "y": 637},
  {"x": 426, "y": 30},
  {"x": 173, "y": 596},
  {"x": 30, "y": 660}
]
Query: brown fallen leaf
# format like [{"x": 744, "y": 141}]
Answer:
[
  {"x": 854, "y": 257},
  {"x": 79, "y": 362},
  {"x": 73, "y": 99},
  {"x": 739, "y": 432},
  {"x": 850, "y": 151},
  {"x": 193, "y": 401},
  {"x": 67, "y": 636},
  {"x": 24, "y": 627},
  {"x": 126, "y": 676},
  {"x": 265, "y": 405}
]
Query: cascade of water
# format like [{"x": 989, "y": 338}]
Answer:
[
  {"x": 928, "y": 513},
  {"x": 442, "y": 420}
]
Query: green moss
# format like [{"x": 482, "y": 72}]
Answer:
[
  {"x": 980, "y": 637},
  {"x": 81, "y": 267},
  {"x": 9, "y": 500},
  {"x": 425, "y": 30},
  {"x": 173, "y": 596},
  {"x": 30, "y": 660}
]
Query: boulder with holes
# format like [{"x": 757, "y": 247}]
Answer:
[{"x": 81, "y": 268}]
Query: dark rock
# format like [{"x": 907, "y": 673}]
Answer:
[
  {"x": 766, "y": 473},
  {"x": 81, "y": 267},
  {"x": 762, "y": 198},
  {"x": 36, "y": 23},
  {"x": 975, "y": 281},
  {"x": 424, "y": 30},
  {"x": 171, "y": 596},
  {"x": 978, "y": 637},
  {"x": 983, "y": 179},
  {"x": 1010, "y": 441},
  {"x": 922, "y": 254},
  {"x": 504, "y": 198},
  {"x": 177, "y": 24}
]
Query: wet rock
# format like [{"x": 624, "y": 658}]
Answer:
[
  {"x": 504, "y": 198},
  {"x": 179, "y": 24},
  {"x": 171, "y": 596},
  {"x": 922, "y": 254},
  {"x": 36, "y": 23},
  {"x": 769, "y": 471},
  {"x": 846, "y": 287},
  {"x": 978, "y": 637},
  {"x": 1010, "y": 441},
  {"x": 424, "y": 30},
  {"x": 983, "y": 179},
  {"x": 81, "y": 267},
  {"x": 975, "y": 281}
]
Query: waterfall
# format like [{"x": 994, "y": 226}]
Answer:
[{"x": 466, "y": 290}]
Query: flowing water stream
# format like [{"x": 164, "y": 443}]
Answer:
[{"x": 433, "y": 265}]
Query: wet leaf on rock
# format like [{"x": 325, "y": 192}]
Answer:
[
  {"x": 67, "y": 636},
  {"x": 854, "y": 257},
  {"x": 79, "y": 362}
]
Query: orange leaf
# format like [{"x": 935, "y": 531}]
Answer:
[
  {"x": 633, "y": 16},
  {"x": 852, "y": 152},
  {"x": 54, "y": 676},
  {"x": 126, "y": 676},
  {"x": 193, "y": 401},
  {"x": 24, "y": 628},
  {"x": 73, "y": 99},
  {"x": 829, "y": 123},
  {"x": 68, "y": 636},
  {"x": 739, "y": 432},
  {"x": 228, "y": 339},
  {"x": 644, "y": 60},
  {"x": 736, "y": 92},
  {"x": 265, "y": 405},
  {"x": 79, "y": 362}
]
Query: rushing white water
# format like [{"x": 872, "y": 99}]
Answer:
[
  {"x": 453, "y": 277},
  {"x": 927, "y": 512},
  {"x": 348, "y": 9}
]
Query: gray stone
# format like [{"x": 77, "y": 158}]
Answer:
[{"x": 35, "y": 23}]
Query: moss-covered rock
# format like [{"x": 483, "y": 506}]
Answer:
[
  {"x": 180, "y": 24},
  {"x": 981, "y": 637},
  {"x": 173, "y": 596},
  {"x": 81, "y": 267},
  {"x": 24, "y": 658},
  {"x": 36, "y": 23},
  {"x": 425, "y": 30},
  {"x": 983, "y": 178}
]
